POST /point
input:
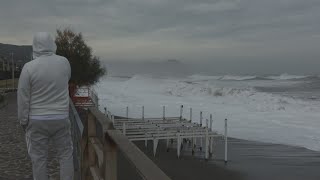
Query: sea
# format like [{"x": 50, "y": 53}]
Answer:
[{"x": 280, "y": 108}]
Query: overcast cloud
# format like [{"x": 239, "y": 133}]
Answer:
[{"x": 188, "y": 30}]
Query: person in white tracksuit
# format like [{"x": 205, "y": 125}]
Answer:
[{"x": 43, "y": 107}]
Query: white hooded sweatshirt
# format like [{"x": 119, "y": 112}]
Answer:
[{"x": 43, "y": 85}]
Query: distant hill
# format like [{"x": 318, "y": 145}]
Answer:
[
  {"x": 173, "y": 61},
  {"x": 20, "y": 53}
]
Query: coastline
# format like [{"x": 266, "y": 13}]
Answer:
[{"x": 248, "y": 160}]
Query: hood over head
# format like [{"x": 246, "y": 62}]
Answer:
[{"x": 43, "y": 44}]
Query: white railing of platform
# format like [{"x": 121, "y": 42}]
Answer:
[{"x": 170, "y": 128}]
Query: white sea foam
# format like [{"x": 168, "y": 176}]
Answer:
[
  {"x": 252, "y": 115},
  {"x": 286, "y": 76},
  {"x": 197, "y": 77},
  {"x": 237, "y": 78},
  {"x": 226, "y": 77}
]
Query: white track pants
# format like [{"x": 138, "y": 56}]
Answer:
[{"x": 38, "y": 134}]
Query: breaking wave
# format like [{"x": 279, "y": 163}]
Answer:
[
  {"x": 237, "y": 78},
  {"x": 284, "y": 76},
  {"x": 254, "y": 115},
  {"x": 183, "y": 88}
]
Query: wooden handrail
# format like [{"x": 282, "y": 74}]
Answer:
[
  {"x": 103, "y": 121},
  {"x": 99, "y": 154},
  {"x": 145, "y": 167}
]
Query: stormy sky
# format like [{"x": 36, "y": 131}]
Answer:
[{"x": 188, "y": 30}]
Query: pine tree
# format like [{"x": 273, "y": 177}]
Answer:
[{"x": 86, "y": 68}]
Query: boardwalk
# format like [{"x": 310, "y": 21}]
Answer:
[{"x": 15, "y": 163}]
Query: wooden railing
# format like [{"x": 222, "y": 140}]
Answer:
[{"x": 96, "y": 144}]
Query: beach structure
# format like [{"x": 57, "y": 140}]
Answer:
[{"x": 169, "y": 129}]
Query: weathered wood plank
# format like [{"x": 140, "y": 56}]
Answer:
[
  {"x": 105, "y": 122},
  {"x": 98, "y": 148},
  {"x": 84, "y": 158},
  {"x": 91, "y": 133},
  {"x": 91, "y": 125},
  {"x": 109, "y": 170},
  {"x": 95, "y": 173},
  {"x": 146, "y": 168}
]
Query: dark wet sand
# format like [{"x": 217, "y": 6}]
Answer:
[
  {"x": 272, "y": 161},
  {"x": 248, "y": 160}
]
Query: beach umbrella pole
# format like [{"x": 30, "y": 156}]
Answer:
[{"x": 225, "y": 141}]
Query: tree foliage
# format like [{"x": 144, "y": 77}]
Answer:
[{"x": 85, "y": 67}]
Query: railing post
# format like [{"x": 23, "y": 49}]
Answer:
[
  {"x": 193, "y": 142},
  {"x": 207, "y": 140},
  {"x": 181, "y": 111},
  {"x": 127, "y": 112},
  {"x": 155, "y": 145},
  {"x": 84, "y": 151},
  {"x": 200, "y": 118},
  {"x": 142, "y": 113},
  {"x": 167, "y": 140},
  {"x": 112, "y": 119},
  {"x": 178, "y": 145},
  {"x": 201, "y": 143},
  {"x": 91, "y": 133},
  {"x": 211, "y": 122},
  {"x": 124, "y": 128},
  {"x": 145, "y": 141},
  {"x": 109, "y": 169},
  {"x": 211, "y": 138},
  {"x": 225, "y": 141},
  {"x": 163, "y": 112}
]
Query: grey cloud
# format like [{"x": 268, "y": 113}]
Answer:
[{"x": 202, "y": 29}]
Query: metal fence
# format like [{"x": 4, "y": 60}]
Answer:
[{"x": 76, "y": 132}]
